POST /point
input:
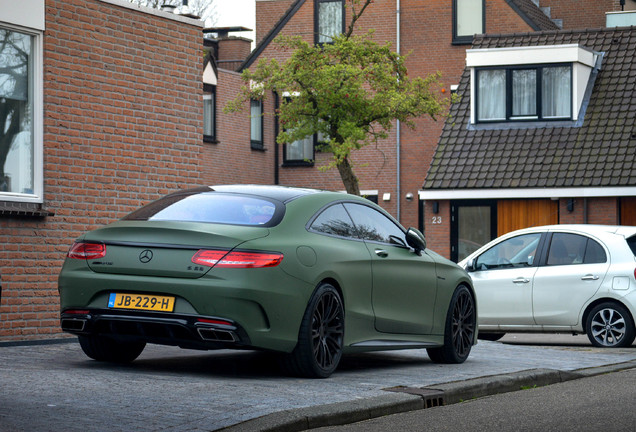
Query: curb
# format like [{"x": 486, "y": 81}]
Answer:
[{"x": 403, "y": 399}]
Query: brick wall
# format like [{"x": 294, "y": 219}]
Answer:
[
  {"x": 231, "y": 159},
  {"x": 268, "y": 12},
  {"x": 581, "y": 15},
  {"x": 232, "y": 52},
  {"x": 604, "y": 211},
  {"x": 426, "y": 33},
  {"x": 122, "y": 126}
]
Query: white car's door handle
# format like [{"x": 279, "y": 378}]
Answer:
[
  {"x": 589, "y": 277},
  {"x": 521, "y": 280},
  {"x": 381, "y": 253}
]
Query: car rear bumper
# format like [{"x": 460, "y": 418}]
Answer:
[{"x": 185, "y": 331}]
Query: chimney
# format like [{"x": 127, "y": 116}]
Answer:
[{"x": 231, "y": 51}]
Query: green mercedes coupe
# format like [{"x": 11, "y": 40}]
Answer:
[{"x": 310, "y": 274}]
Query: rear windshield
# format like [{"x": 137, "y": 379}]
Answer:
[
  {"x": 632, "y": 244},
  {"x": 212, "y": 207}
]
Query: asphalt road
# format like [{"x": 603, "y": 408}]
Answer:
[
  {"x": 599, "y": 403},
  {"x": 56, "y": 387}
]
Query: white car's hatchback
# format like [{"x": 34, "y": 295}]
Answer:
[{"x": 559, "y": 278}]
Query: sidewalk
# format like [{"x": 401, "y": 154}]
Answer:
[{"x": 170, "y": 389}]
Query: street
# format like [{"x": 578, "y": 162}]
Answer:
[
  {"x": 56, "y": 387},
  {"x": 604, "y": 402}
]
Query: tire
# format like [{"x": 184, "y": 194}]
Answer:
[
  {"x": 459, "y": 331},
  {"x": 103, "y": 348},
  {"x": 320, "y": 337},
  {"x": 490, "y": 336},
  {"x": 610, "y": 325}
]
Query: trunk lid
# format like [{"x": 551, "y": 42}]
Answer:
[{"x": 148, "y": 248}]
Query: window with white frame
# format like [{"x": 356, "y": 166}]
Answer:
[
  {"x": 469, "y": 19},
  {"x": 329, "y": 17},
  {"x": 524, "y": 93},
  {"x": 209, "y": 113},
  {"x": 20, "y": 115},
  {"x": 256, "y": 124},
  {"x": 530, "y": 84}
]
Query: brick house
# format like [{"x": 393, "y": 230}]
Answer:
[
  {"x": 544, "y": 133},
  {"x": 100, "y": 111},
  {"x": 436, "y": 33}
]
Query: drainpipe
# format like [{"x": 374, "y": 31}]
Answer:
[
  {"x": 397, "y": 126},
  {"x": 276, "y": 145}
]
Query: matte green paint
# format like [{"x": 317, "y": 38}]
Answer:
[{"x": 381, "y": 301}]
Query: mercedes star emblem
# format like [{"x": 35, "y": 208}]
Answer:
[{"x": 145, "y": 256}]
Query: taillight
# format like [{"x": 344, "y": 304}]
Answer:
[
  {"x": 81, "y": 250},
  {"x": 236, "y": 259},
  {"x": 77, "y": 311},
  {"x": 214, "y": 321}
]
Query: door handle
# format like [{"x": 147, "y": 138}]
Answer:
[
  {"x": 381, "y": 253},
  {"x": 520, "y": 280},
  {"x": 589, "y": 277}
]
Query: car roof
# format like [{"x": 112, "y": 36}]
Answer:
[
  {"x": 280, "y": 193},
  {"x": 623, "y": 230}
]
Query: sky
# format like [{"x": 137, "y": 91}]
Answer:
[{"x": 236, "y": 13}]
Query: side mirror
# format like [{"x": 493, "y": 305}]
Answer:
[
  {"x": 416, "y": 240},
  {"x": 470, "y": 265}
]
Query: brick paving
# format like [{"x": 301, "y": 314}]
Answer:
[{"x": 55, "y": 387}]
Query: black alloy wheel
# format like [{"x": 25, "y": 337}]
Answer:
[
  {"x": 459, "y": 333},
  {"x": 320, "y": 337}
]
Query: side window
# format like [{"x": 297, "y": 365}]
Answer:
[
  {"x": 594, "y": 253},
  {"x": 566, "y": 249},
  {"x": 329, "y": 19},
  {"x": 468, "y": 20},
  {"x": 256, "y": 124},
  {"x": 334, "y": 221},
  {"x": 21, "y": 148},
  {"x": 209, "y": 113},
  {"x": 517, "y": 251},
  {"x": 374, "y": 226},
  {"x": 631, "y": 242}
]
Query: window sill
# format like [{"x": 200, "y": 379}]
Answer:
[
  {"x": 288, "y": 164},
  {"x": 462, "y": 41},
  {"x": 19, "y": 209},
  {"x": 210, "y": 139},
  {"x": 258, "y": 147},
  {"x": 541, "y": 124}
]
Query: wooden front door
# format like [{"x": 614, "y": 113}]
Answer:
[{"x": 516, "y": 214}]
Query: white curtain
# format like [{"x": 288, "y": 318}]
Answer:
[
  {"x": 524, "y": 93},
  {"x": 329, "y": 20},
  {"x": 301, "y": 150},
  {"x": 556, "y": 93},
  {"x": 256, "y": 112},
  {"x": 208, "y": 114},
  {"x": 469, "y": 17},
  {"x": 491, "y": 95}
]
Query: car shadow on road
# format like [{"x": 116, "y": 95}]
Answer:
[{"x": 252, "y": 364}]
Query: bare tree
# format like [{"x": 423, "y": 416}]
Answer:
[
  {"x": 14, "y": 59},
  {"x": 206, "y": 9}
]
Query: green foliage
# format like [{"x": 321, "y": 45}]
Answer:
[{"x": 351, "y": 91}]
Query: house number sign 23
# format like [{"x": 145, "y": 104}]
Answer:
[{"x": 437, "y": 220}]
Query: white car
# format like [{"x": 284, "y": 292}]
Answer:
[{"x": 559, "y": 278}]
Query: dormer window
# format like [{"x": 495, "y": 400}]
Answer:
[
  {"x": 529, "y": 84},
  {"x": 524, "y": 93}
]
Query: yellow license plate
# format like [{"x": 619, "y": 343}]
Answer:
[{"x": 141, "y": 302}]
